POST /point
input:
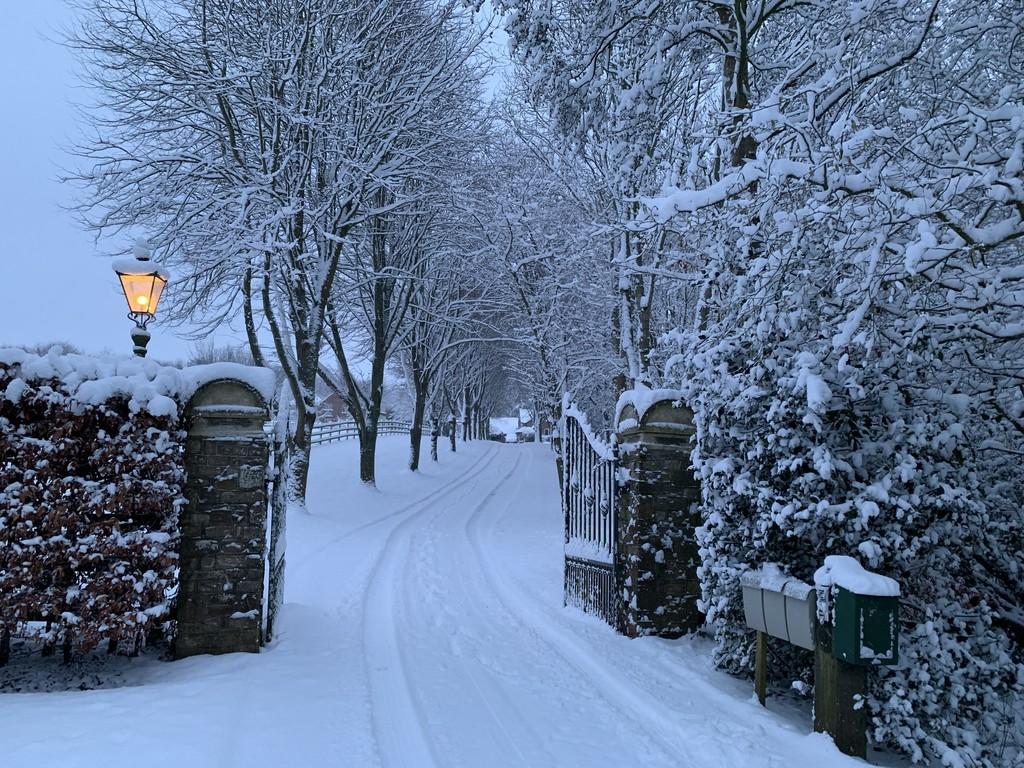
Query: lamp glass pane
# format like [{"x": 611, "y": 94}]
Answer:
[
  {"x": 158, "y": 290},
  {"x": 138, "y": 291}
]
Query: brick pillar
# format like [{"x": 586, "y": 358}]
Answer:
[
  {"x": 657, "y": 559},
  {"x": 223, "y": 525}
]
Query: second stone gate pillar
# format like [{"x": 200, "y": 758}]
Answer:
[{"x": 657, "y": 558}]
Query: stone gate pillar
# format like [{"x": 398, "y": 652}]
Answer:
[
  {"x": 657, "y": 558},
  {"x": 223, "y": 524}
]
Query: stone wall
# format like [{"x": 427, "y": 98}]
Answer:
[
  {"x": 223, "y": 524},
  {"x": 657, "y": 557}
]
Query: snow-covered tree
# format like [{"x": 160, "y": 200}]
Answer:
[
  {"x": 445, "y": 319},
  {"x": 614, "y": 95},
  {"x": 849, "y": 221},
  {"x": 554, "y": 282},
  {"x": 253, "y": 140}
]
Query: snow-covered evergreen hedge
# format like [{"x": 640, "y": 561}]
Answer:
[
  {"x": 803, "y": 453},
  {"x": 91, "y": 473}
]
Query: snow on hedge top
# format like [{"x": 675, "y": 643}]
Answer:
[
  {"x": 148, "y": 385},
  {"x": 642, "y": 398},
  {"x": 845, "y": 572}
]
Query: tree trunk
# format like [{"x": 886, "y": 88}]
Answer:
[
  {"x": 451, "y": 432},
  {"x": 416, "y": 431},
  {"x": 557, "y": 406},
  {"x": 250, "y": 322},
  {"x": 435, "y": 433},
  {"x": 301, "y": 448},
  {"x": 367, "y": 455}
]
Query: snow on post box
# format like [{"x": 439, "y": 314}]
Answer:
[
  {"x": 779, "y": 605},
  {"x": 865, "y": 613}
]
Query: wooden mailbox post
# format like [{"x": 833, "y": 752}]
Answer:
[{"x": 850, "y": 619}]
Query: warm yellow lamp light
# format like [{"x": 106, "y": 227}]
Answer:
[{"x": 142, "y": 291}]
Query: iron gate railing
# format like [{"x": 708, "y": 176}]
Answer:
[
  {"x": 277, "y": 509},
  {"x": 589, "y": 505}
]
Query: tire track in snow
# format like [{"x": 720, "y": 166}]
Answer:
[
  {"x": 397, "y": 718},
  {"x": 432, "y": 495},
  {"x": 621, "y": 694},
  {"x": 477, "y": 681},
  {"x": 702, "y": 711}
]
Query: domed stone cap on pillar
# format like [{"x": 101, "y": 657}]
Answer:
[
  {"x": 221, "y": 402},
  {"x": 659, "y": 412},
  {"x": 225, "y": 393}
]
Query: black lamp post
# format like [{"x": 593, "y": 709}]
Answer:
[{"x": 143, "y": 283}]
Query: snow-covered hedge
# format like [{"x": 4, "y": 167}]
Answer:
[
  {"x": 804, "y": 451},
  {"x": 91, "y": 473}
]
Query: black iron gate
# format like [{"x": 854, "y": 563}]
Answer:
[{"x": 589, "y": 506}]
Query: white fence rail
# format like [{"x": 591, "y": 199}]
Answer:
[{"x": 346, "y": 430}]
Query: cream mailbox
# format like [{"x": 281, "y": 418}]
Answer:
[{"x": 780, "y": 606}]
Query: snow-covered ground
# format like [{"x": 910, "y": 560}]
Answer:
[{"x": 424, "y": 627}]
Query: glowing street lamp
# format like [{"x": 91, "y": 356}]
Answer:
[{"x": 143, "y": 283}]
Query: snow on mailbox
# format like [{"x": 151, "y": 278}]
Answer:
[
  {"x": 779, "y": 605},
  {"x": 865, "y": 612}
]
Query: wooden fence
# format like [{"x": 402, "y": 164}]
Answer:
[{"x": 346, "y": 430}]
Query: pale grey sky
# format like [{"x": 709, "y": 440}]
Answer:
[{"x": 55, "y": 284}]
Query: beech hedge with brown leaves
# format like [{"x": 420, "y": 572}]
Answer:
[{"x": 89, "y": 503}]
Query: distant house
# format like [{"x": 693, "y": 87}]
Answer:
[
  {"x": 525, "y": 418},
  {"x": 525, "y": 426},
  {"x": 332, "y": 408}
]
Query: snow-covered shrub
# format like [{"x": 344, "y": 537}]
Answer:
[
  {"x": 805, "y": 451},
  {"x": 856, "y": 369},
  {"x": 89, "y": 501},
  {"x": 91, "y": 473},
  {"x": 857, "y": 391}
]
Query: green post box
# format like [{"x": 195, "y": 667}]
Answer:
[{"x": 867, "y": 628}]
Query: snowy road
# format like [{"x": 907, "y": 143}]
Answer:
[{"x": 423, "y": 627}]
